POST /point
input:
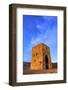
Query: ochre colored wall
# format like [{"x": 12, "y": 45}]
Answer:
[{"x": 39, "y": 53}]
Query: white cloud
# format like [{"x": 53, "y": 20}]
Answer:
[
  {"x": 39, "y": 39},
  {"x": 35, "y": 41},
  {"x": 44, "y": 37},
  {"x": 38, "y": 26}
]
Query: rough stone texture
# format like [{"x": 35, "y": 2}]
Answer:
[{"x": 41, "y": 58}]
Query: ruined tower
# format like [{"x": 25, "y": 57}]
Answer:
[{"x": 41, "y": 58}]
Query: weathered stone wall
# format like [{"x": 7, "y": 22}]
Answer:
[{"x": 41, "y": 58}]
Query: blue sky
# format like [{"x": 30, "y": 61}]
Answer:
[{"x": 39, "y": 29}]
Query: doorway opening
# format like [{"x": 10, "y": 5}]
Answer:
[{"x": 46, "y": 61}]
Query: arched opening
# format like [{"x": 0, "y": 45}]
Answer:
[{"x": 46, "y": 61}]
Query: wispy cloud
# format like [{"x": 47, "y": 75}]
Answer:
[{"x": 38, "y": 26}]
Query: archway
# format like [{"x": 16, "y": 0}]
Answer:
[{"x": 46, "y": 61}]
